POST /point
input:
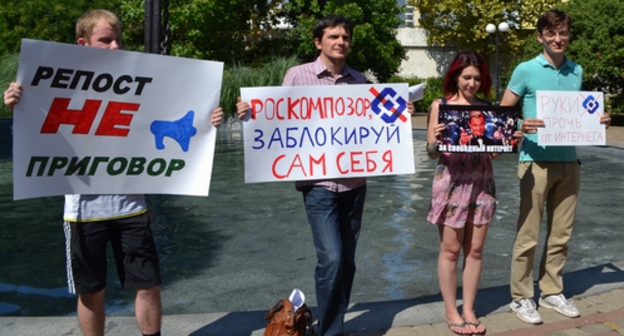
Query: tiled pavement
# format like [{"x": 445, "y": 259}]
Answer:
[{"x": 601, "y": 314}]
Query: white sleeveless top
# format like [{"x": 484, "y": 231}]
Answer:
[{"x": 93, "y": 208}]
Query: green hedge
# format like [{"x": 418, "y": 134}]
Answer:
[{"x": 238, "y": 76}]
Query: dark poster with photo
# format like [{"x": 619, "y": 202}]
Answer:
[{"x": 478, "y": 129}]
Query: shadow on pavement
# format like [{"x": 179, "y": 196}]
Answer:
[
  {"x": 577, "y": 283},
  {"x": 234, "y": 324},
  {"x": 424, "y": 310}
]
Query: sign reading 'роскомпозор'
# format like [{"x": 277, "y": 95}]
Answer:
[{"x": 320, "y": 132}]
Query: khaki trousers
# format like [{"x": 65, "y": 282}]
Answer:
[{"x": 556, "y": 186}]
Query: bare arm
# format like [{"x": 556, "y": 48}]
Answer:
[
  {"x": 528, "y": 125},
  {"x": 434, "y": 129},
  {"x": 509, "y": 98}
]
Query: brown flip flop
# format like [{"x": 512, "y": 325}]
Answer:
[
  {"x": 476, "y": 325},
  {"x": 459, "y": 325}
]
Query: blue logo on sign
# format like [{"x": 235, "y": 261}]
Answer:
[
  {"x": 590, "y": 104},
  {"x": 393, "y": 108},
  {"x": 181, "y": 130}
]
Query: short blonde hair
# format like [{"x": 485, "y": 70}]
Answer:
[{"x": 88, "y": 21}]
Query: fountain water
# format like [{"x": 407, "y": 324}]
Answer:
[{"x": 246, "y": 245}]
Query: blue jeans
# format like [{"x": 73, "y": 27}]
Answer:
[{"x": 335, "y": 219}]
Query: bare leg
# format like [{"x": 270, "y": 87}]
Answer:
[
  {"x": 148, "y": 309},
  {"x": 450, "y": 247},
  {"x": 91, "y": 313},
  {"x": 474, "y": 239}
]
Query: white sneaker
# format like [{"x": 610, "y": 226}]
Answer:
[
  {"x": 526, "y": 311},
  {"x": 559, "y": 304}
]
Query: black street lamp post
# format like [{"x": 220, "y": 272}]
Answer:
[
  {"x": 156, "y": 27},
  {"x": 152, "y": 27},
  {"x": 497, "y": 36}
]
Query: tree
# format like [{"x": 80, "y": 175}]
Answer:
[
  {"x": 37, "y": 19},
  {"x": 203, "y": 29},
  {"x": 597, "y": 44},
  {"x": 42, "y": 20},
  {"x": 233, "y": 31},
  {"x": 460, "y": 24},
  {"x": 374, "y": 48}
]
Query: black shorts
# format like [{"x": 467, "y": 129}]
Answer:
[{"x": 134, "y": 249}]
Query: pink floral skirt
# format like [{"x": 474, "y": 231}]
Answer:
[{"x": 463, "y": 190}]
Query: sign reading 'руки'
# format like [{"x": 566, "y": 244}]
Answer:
[
  {"x": 571, "y": 118},
  {"x": 96, "y": 121}
]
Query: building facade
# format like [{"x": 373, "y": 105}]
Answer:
[{"x": 422, "y": 61}]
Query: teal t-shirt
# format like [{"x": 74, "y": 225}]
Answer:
[{"x": 526, "y": 80}]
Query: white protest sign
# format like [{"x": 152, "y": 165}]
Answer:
[
  {"x": 571, "y": 118},
  {"x": 97, "y": 121},
  {"x": 416, "y": 92},
  {"x": 319, "y": 132}
]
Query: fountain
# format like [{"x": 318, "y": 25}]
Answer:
[{"x": 247, "y": 245}]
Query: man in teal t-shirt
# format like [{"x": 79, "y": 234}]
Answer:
[{"x": 549, "y": 176}]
